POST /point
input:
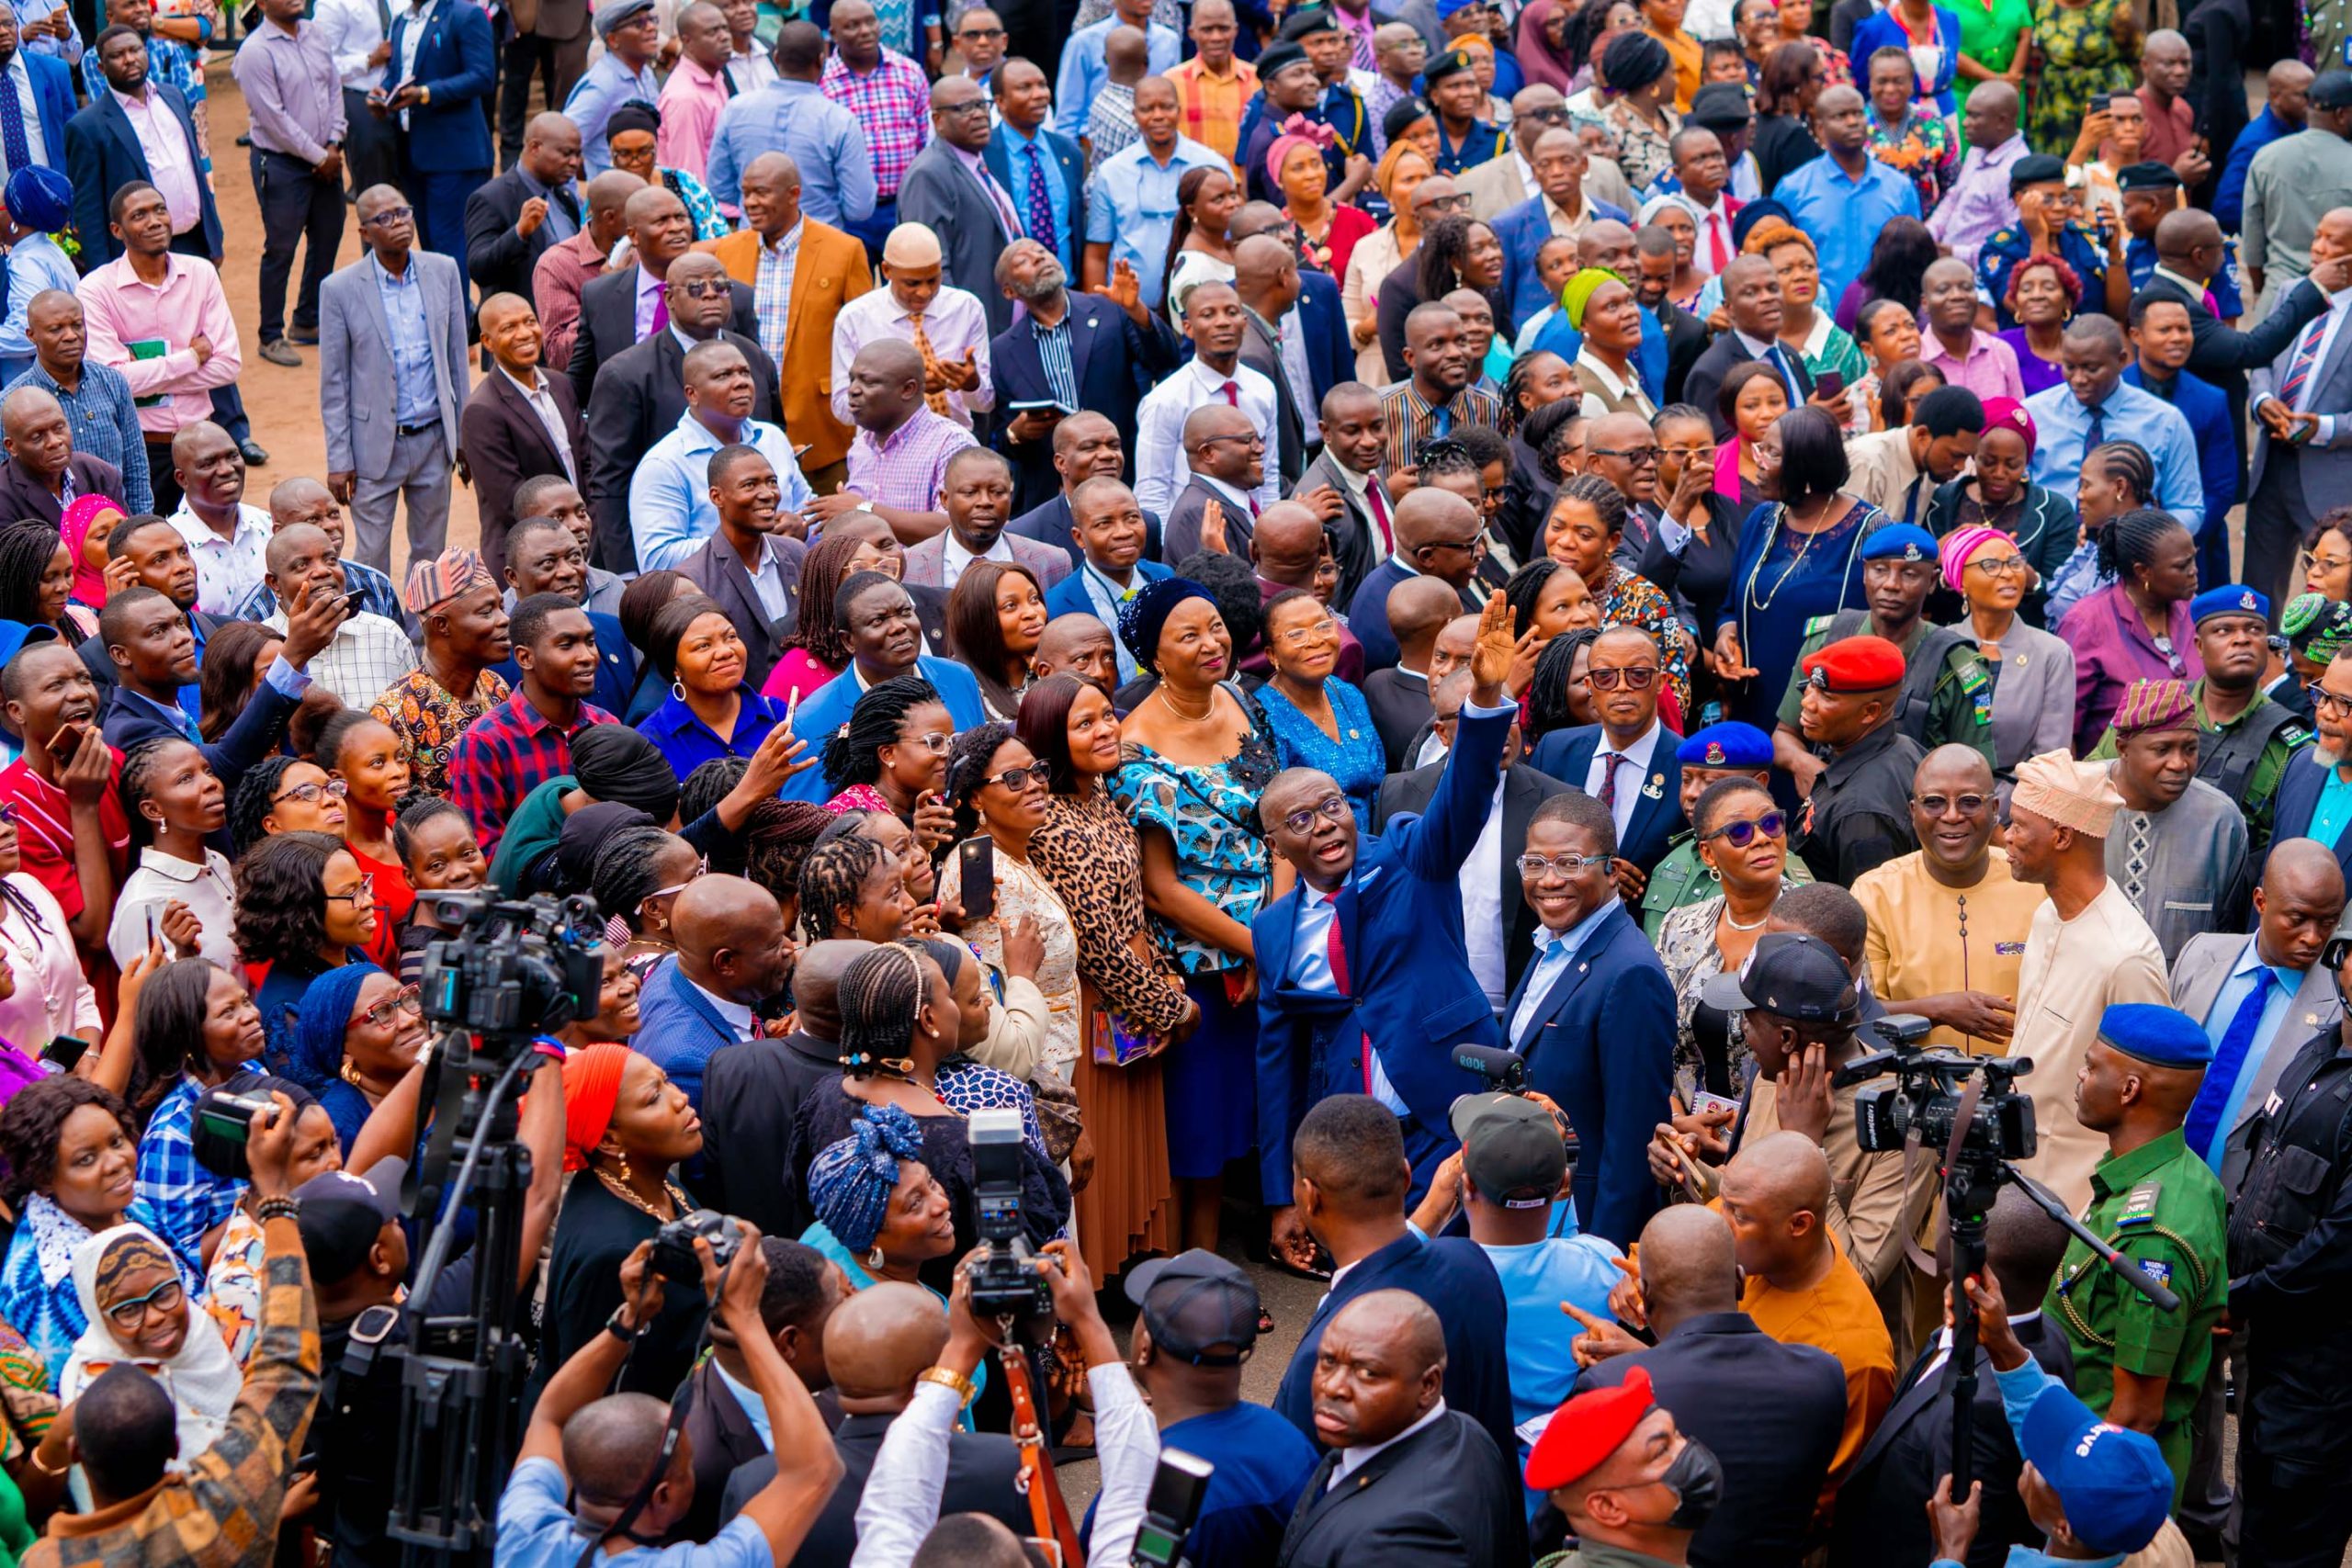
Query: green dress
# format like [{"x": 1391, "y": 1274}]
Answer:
[
  {"x": 2079, "y": 58},
  {"x": 1991, "y": 33}
]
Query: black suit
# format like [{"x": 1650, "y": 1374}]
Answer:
[
  {"x": 2222, "y": 356},
  {"x": 504, "y": 442},
  {"x": 1355, "y": 530},
  {"x": 1528, "y": 494},
  {"x": 750, "y": 1093},
  {"x": 723, "y": 1440},
  {"x": 608, "y": 330},
  {"x": 1442, "y": 1495},
  {"x": 498, "y": 259},
  {"x": 1114, "y": 363},
  {"x": 1879, "y": 1517},
  {"x": 1523, "y": 790},
  {"x": 1722, "y": 356},
  {"x": 1685, "y": 340},
  {"x": 1399, "y": 701},
  {"x": 641, "y": 396},
  {"x": 1182, "y": 539},
  {"x": 1772, "y": 1414},
  {"x": 1051, "y": 525},
  {"x": 23, "y": 496},
  {"x": 718, "y": 571},
  {"x": 983, "y": 1474}
]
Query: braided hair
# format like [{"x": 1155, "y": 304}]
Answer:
[
  {"x": 1547, "y": 688},
  {"x": 139, "y": 765},
  {"x": 2130, "y": 540},
  {"x": 414, "y": 813},
  {"x": 777, "y": 837},
  {"x": 700, "y": 792},
  {"x": 1608, "y": 503},
  {"x": 25, "y": 550},
  {"x": 854, "y": 755},
  {"x": 1524, "y": 588},
  {"x": 2126, "y": 463},
  {"x": 967, "y": 767},
  {"x": 878, "y": 997},
  {"x": 250, "y": 801},
  {"x": 625, "y": 873},
  {"x": 1517, "y": 386},
  {"x": 831, "y": 878},
  {"x": 819, "y": 633}
]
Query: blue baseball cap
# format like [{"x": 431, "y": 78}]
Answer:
[
  {"x": 2160, "y": 1036},
  {"x": 2113, "y": 1483},
  {"x": 1901, "y": 541},
  {"x": 1727, "y": 745},
  {"x": 2230, "y": 598}
]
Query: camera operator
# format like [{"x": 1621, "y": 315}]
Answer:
[
  {"x": 609, "y": 1455},
  {"x": 123, "y": 1428},
  {"x": 359, "y": 1256}
]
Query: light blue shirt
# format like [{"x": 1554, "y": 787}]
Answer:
[
  {"x": 415, "y": 400},
  {"x": 1022, "y": 154},
  {"x": 558, "y": 223},
  {"x": 2020, "y": 1388},
  {"x": 1536, "y": 1279},
  {"x": 817, "y": 134},
  {"x": 68, "y": 49},
  {"x": 536, "y": 1530},
  {"x": 669, "y": 497},
  {"x": 2285, "y": 982},
  {"x": 1083, "y": 72},
  {"x": 606, "y": 87},
  {"x": 1556, "y": 952},
  {"x": 2064, "y": 424},
  {"x": 1844, "y": 215},
  {"x": 34, "y": 264},
  {"x": 755, "y": 1409},
  {"x": 1131, "y": 207}
]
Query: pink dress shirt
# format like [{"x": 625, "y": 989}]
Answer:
[
  {"x": 1990, "y": 369},
  {"x": 171, "y": 162},
  {"x": 690, "y": 103},
  {"x": 120, "y": 310}
]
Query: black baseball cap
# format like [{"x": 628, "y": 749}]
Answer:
[
  {"x": 343, "y": 1212},
  {"x": 1194, "y": 1301},
  {"x": 1793, "y": 973},
  {"x": 1511, "y": 1149}
]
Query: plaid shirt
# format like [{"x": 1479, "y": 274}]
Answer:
[
  {"x": 1211, "y": 106},
  {"x": 893, "y": 103},
  {"x": 907, "y": 468},
  {"x": 169, "y": 61},
  {"x": 1110, "y": 124},
  {"x": 188, "y": 1199},
  {"x": 510, "y": 752},
  {"x": 368, "y": 654},
  {"x": 771, "y": 288},
  {"x": 1412, "y": 420},
  {"x": 224, "y": 1509}
]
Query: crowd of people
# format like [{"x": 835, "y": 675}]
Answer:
[{"x": 1174, "y": 576}]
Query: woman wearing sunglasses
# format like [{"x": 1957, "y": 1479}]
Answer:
[
  {"x": 2033, "y": 672},
  {"x": 996, "y": 786},
  {"x": 1742, "y": 836},
  {"x": 360, "y": 1031}
]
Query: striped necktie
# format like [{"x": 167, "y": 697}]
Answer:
[{"x": 2306, "y": 360}]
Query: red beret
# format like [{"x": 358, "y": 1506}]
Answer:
[
  {"x": 1858, "y": 664},
  {"x": 1586, "y": 1430}
]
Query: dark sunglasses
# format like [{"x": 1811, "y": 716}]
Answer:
[{"x": 1739, "y": 835}]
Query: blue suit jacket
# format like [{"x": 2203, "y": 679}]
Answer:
[
  {"x": 1070, "y": 162},
  {"x": 53, "y": 95},
  {"x": 1051, "y": 522},
  {"x": 828, "y": 709},
  {"x": 1522, "y": 230},
  {"x": 1452, "y": 1274},
  {"x": 2297, "y": 798},
  {"x": 615, "y": 669},
  {"x": 1612, "y": 1079},
  {"x": 681, "y": 1031},
  {"x": 1400, "y": 924},
  {"x": 457, "y": 62},
  {"x": 2207, "y": 412},
  {"x": 1566, "y": 755},
  {"x": 1068, "y": 597},
  {"x": 1115, "y": 363},
  {"x": 103, "y": 154},
  {"x": 1368, "y": 616},
  {"x": 1324, "y": 327},
  {"x": 127, "y": 723}
]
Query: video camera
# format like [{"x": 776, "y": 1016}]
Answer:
[
  {"x": 1928, "y": 1093},
  {"x": 512, "y": 968},
  {"x": 1005, "y": 1285}
]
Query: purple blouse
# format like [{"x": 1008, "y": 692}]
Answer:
[
  {"x": 2037, "y": 373},
  {"x": 2112, "y": 648}
]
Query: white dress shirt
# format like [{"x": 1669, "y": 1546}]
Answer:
[
  {"x": 207, "y": 890},
  {"x": 171, "y": 162},
  {"x": 1364, "y": 493},
  {"x": 1715, "y": 220},
  {"x": 1160, "y": 467},
  {"x": 1353, "y": 1460},
  {"x": 957, "y": 559},
  {"x": 738, "y": 1016},
  {"x": 420, "y": 16},
  {"x": 954, "y": 323},
  {"x": 1631, "y": 772},
  {"x": 351, "y": 30},
  {"x": 1481, "y": 881}
]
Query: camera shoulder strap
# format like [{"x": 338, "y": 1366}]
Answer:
[
  {"x": 682, "y": 1403},
  {"x": 1048, "y": 1510},
  {"x": 1964, "y": 1115}
]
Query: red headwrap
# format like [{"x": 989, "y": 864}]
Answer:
[{"x": 592, "y": 1086}]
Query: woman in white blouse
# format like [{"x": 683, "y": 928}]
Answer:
[{"x": 181, "y": 890}]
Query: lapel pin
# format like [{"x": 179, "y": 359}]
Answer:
[{"x": 1655, "y": 789}]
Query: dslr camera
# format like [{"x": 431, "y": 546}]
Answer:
[
  {"x": 1006, "y": 1283},
  {"x": 673, "y": 1243},
  {"x": 512, "y": 968},
  {"x": 1927, "y": 1092}
]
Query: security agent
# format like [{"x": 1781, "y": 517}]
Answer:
[
  {"x": 1610, "y": 1462},
  {"x": 2288, "y": 1247},
  {"x": 1859, "y": 813}
]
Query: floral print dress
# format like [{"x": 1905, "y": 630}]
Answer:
[
  {"x": 1634, "y": 601},
  {"x": 2079, "y": 57}
]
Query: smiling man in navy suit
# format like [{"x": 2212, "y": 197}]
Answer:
[
  {"x": 1626, "y": 761},
  {"x": 1612, "y": 1079},
  {"x": 1365, "y": 984}
]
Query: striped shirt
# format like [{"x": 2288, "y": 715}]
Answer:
[
  {"x": 893, "y": 103},
  {"x": 510, "y": 752},
  {"x": 906, "y": 468},
  {"x": 772, "y": 289},
  {"x": 1054, "y": 353},
  {"x": 45, "y": 829},
  {"x": 1413, "y": 420}
]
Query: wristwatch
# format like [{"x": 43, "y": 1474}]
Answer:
[
  {"x": 945, "y": 1377},
  {"x": 617, "y": 1325}
]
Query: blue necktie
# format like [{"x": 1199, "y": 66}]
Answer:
[
  {"x": 2221, "y": 1078},
  {"x": 1779, "y": 358},
  {"x": 18, "y": 150},
  {"x": 1443, "y": 426},
  {"x": 2096, "y": 435}
]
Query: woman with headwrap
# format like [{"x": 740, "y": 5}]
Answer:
[
  {"x": 626, "y": 1130},
  {"x": 1670, "y": 211},
  {"x": 1198, "y": 754},
  {"x": 1601, "y": 307},
  {"x": 359, "y": 1031},
  {"x": 1402, "y": 169},
  {"x": 1324, "y": 228},
  {"x": 1640, "y": 107},
  {"x": 1996, "y": 494},
  {"x": 88, "y": 520},
  {"x": 2033, "y": 672},
  {"x": 140, "y": 1311},
  {"x": 1542, "y": 44},
  {"x": 610, "y": 763}
]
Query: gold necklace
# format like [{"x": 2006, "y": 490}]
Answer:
[
  {"x": 1206, "y": 714},
  {"x": 621, "y": 1190}
]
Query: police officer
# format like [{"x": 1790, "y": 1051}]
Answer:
[
  {"x": 2159, "y": 1205},
  {"x": 1859, "y": 812},
  {"x": 2050, "y": 218},
  {"x": 1726, "y": 750},
  {"x": 1946, "y": 691},
  {"x": 2289, "y": 1242}
]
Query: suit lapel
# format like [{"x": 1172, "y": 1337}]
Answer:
[
  {"x": 1521, "y": 796},
  {"x": 1566, "y": 985},
  {"x": 1084, "y": 324},
  {"x": 1654, "y": 787},
  {"x": 1922, "y": 1390},
  {"x": 1310, "y": 1503}
]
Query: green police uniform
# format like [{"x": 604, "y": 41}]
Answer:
[
  {"x": 1957, "y": 705},
  {"x": 2162, "y": 1207},
  {"x": 2273, "y": 732},
  {"x": 1681, "y": 878}
]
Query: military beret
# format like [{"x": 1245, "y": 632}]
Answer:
[
  {"x": 2148, "y": 175},
  {"x": 1727, "y": 745},
  {"x": 1857, "y": 664},
  {"x": 2036, "y": 169},
  {"x": 1453, "y": 63},
  {"x": 1308, "y": 21},
  {"x": 1278, "y": 58},
  {"x": 1720, "y": 105},
  {"x": 2230, "y": 598},
  {"x": 1900, "y": 541},
  {"x": 1585, "y": 1431},
  {"x": 2160, "y": 1036},
  {"x": 1402, "y": 114}
]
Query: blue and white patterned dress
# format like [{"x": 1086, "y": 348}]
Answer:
[
  {"x": 1355, "y": 761},
  {"x": 37, "y": 1291}
]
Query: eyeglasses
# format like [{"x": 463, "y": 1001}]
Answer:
[
  {"x": 1640, "y": 457},
  {"x": 1018, "y": 779},
  {"x": 311, "y": 793},
  {"x": 2330, "y": 563},
  {"x": 1739, "y": 835},
  {"x": 392, "y": 215},
  {"x": 980, "y": 33},
  {"x": 2325, "y": 701},
  {"x": 702, "y": 287},
  {"x": 975, "y": 105},
  {"x": 932, "y": 741},
  {"x": 167, "y": 1298},
  {"x": 1333, "y": 808},
  {"x": 1566, "y": 865},
  {"x": 1297, "y": 636},
  {"x": 1999, "y": 565},
  {"x": 1937, "y": 805},
  {"x": 1637, "y": 679},
  {"x": 1457, "y": 203},
  {"x": 702, "y": 869},
  {"x": 360, "y": 898},
  {"x": 1546, "y": 114},
  {"x": 1688, "y": 453},
  {"x": 407, "y": 1001},
  {"x": 1251, "y": 440}
]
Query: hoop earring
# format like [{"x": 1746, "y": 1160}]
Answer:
[
  {"x": 678, "y": 690},
  {"x": 873, "y": 1259}
]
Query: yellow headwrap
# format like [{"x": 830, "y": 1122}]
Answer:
[{"x": 1579, "y": 291}]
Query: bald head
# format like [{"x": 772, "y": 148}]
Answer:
[
  {"x": 879, "y": 1340},
  {"x": 1428, "y": 514},
  {"x": 299, "y": 500},
  {"x": 22, "y": 408},
  {"x": 2303, "y": 867},
  {"x": 1289, "y": 529},
  {"x": 1786, "y": 1171},
  {"x": 1260, "y": 263},
  {"x": 1401, "y": 1321},
  {"x": 890, "y": 359},
  {"x": 1419, "y": 609},
  {"x": 1605, "y": 244},
  {"x": 816, "y": 984},
  {"x": 1690, "y": 1264},
  {"x": 608, "y": 193},
  {"x": 1957, "y": 767},
  {"x": 606, "y": 1446},
  {"x": 2184, "y": 231},
  {"x": 731, "y": 937},
  {"x": 1776, "y": 1193}
]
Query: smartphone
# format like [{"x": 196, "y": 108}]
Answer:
[
  {"x": 975, "y": 866},
  {"x": 2099, "y": 102},
  {"x": 64, "y": 1051},
  {"x": 1829, "y": 383},
  {"x": 154, "y": 924}
]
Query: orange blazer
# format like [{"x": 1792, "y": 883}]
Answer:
[{"x": 832, "y": 272}]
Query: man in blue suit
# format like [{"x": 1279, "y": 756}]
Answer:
[
  {"x": 1364, "y": 982},
  {"x": 1612, "y": 1078},
  {"x": 1109, "y": 527},
  {"x": 103, "y": 152},
  {"x": 1322, "y": 324},
  {"x": 2163, "y": 337},
  {"x": 1115, "y": 348},
  {"x": 51, "y": 83},
  {"x": 1351, "y": 1188},
  {"x": 1559, "y": 164},
  {"x": 733, "y": 958},
  {"x": 444, "y": 65},
  {"x": 885, "y": 634},
  {"x": 1628, "y": 760}
]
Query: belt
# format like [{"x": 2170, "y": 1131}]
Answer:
[{"x": 419, "y": 428}]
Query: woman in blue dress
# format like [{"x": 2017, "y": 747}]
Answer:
[
  {"x": 1318, "y": 720},
  {"x": 1196, "y": 757},
  {"x": 1800, "y": 556}
]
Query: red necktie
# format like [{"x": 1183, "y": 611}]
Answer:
[
  {"x": 1715, "y": 246},
  {"x": 1380, "y": 515},
  {"x": 1609, "y": 762},
  {"x": 1336, "y": 951},
  {"x": 1232, "y": 393}
]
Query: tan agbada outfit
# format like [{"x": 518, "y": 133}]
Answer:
[{"x": 1928, "y": 939}]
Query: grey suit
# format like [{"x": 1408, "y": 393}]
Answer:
[
  {"x": 927, "y": 561},
  {"x": 2293, "y": 485},
  {"x": 943, "y": 194},
  {"x": 358, "y": 403},
  {"x": 2197, "y": 976},
  {"x": 2033, "y": 702}
]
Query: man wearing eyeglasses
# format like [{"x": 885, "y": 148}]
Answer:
[
  {"x": 1627, "y": 761},
  {"x": 1857, "y": 813}
]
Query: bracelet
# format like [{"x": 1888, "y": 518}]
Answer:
[
  {"x": 284, "y": 1206},
  {"x": 945, "y": 1377},
  {"x": 35, "y": 1453},
  {"x": 617, "y": 1325}
]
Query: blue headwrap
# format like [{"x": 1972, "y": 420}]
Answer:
[
  {"x": 850, "y": 1182},
  {"x": 321, "y": 1022},
  {"x": 1141, "y": 617}
]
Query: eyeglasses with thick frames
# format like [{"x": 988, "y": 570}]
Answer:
[
  {"x": 1636, "y": 679},
  {"x": 392, "y": 214},
  {"x": 1998, "y": 565},
  {"x": 1937, "y": 805},
  {"x": 1019, "y": 779},
  {"x": 2325, "y": 701},
  {"x": 1566, "y": 865},
  {"x": 311, "y": 793},
  {"x": 702, "y": 287},
  {"x": 1640, "y": 457},
  {"x": 406, "y": 1000},
  {"x": 167, "y": 1298},
  {"x": 360, "y": 898},
  {"x": 1333, "y": 808},
  {"x": 1739, "y": 835}
]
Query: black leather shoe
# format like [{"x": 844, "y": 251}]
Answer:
[{"x": 253, "y": 455}]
